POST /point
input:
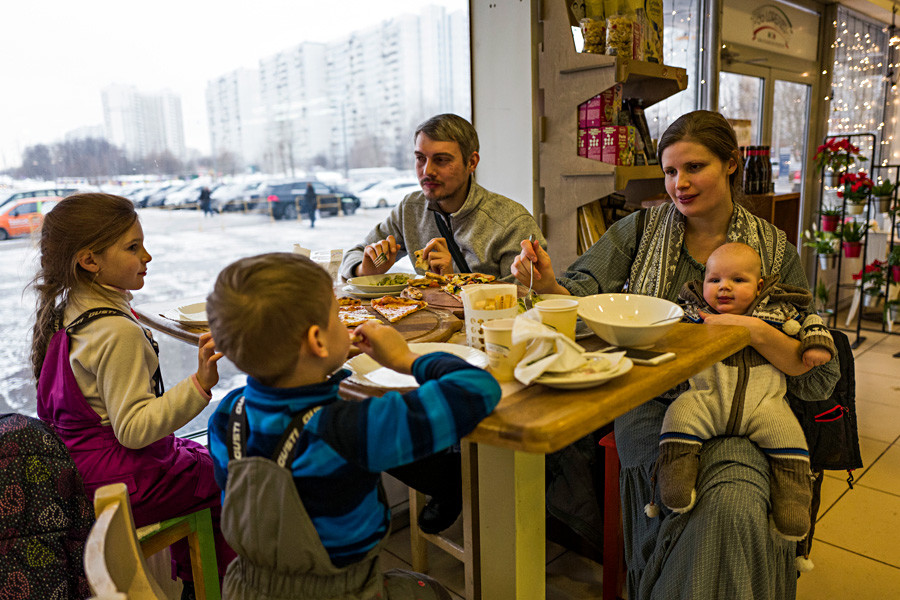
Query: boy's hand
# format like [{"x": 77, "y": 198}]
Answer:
[
  {"x": 815, "y": 357},
  {"x": 386, "y": 346},
  {"x": 207, "y": 357}
]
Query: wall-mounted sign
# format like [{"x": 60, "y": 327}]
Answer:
[{"x": 771, "y": 26}]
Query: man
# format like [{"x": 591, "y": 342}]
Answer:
[{"x": 459, "y": 225}]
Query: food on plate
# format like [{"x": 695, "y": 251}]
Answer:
[
  {"x": 355, "y": 314},
  {"x": 421, "y": 263},
  {"x": 498, "y": 302},
  {"x": 394, "y": 279},
  {"x": 455, "y": 281},
  {"x": 348, "y": 301},
  {"x": 393, "y": 308},
  {"x": 423, "y": 282},
  {"x": 413, "y": 293}
]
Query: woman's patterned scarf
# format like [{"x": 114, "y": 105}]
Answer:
[{"x": 653, "y": 269}]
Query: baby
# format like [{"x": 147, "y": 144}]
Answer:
[{"x": 744, "y": 394}]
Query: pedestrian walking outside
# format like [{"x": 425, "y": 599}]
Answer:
[
  {"x": 206, "y": 201},
  {"x": 309, "y": 204}
]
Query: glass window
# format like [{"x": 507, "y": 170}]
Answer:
[
  {"x": 790, "y": 124},
  {"x": 740, "y": 100}
]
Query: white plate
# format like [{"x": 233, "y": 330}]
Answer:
[
  {"x": 584, "y": 377},
  {"x": 193, "y": 314},
  {"x": 369, "y": 283},
  {"x": 358, "y": 293},
  {"x": 368, "y": 372}
]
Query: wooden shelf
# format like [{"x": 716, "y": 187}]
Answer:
[{"x": 566, "y": 79}]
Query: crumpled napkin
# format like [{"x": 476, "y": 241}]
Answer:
[{"x": 547, "y": 349}]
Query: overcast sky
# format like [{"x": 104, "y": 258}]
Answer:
[{"x": 56, "y": 55}]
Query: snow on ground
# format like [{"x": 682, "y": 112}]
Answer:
[{"x": 188, "y": 252}]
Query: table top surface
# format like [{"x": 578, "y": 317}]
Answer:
[{"x": 540, "y": 419}]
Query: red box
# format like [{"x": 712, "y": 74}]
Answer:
[
  {"x": 617, "y": 143},
  {"x": 592, "y": 146},
  {"x": 602, "y": 109}
]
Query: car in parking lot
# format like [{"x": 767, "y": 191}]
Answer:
[
  {"x": 37, "y": 193},
  {"x": 21, "y": 217},
  {"x": 388, "y": 193},
  {"x": 235, "y": 197},
  {"x": 285, "y": 199}
]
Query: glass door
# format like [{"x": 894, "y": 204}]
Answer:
[
  {"x": 741, "y": 99},
  {"x": 790, "y": 129}
]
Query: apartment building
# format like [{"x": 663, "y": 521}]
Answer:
[{"x": 143, "y": 123}]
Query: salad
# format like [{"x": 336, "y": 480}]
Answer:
[{"x": 395, "y": 279}]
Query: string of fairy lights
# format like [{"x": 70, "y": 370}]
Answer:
[{"x": 863, "y": 65}]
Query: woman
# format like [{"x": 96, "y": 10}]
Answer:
[{"x": 722, "y": 548}]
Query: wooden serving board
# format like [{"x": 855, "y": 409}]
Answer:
[
  {"x": 427, "y": 325},
  {"x": 438, "y": 298}
]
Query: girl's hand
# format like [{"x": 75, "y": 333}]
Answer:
[
  {"x": 207, "y": 357},
  {"x": 533, "y": 255},
  {"x": 385, "y": 345}
]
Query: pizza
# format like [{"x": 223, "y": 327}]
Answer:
[
  {"x": 421, "y": 263},
  {"x": 413, "y": 293},
  {"x": 393, "y": 308},
  {"x": 351, "y": 312}
]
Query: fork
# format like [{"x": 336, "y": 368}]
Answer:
[
  {"x": 528, "y": 300},
  {"x": 379, "y": 260}
]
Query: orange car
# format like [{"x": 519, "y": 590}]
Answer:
[{"x": 21, "y": 217}]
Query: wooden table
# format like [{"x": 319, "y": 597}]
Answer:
[
  {"x": 427, "y": 325},
  {"x": 532, "y": 421}
]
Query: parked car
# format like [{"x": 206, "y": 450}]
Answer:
[
  {"x": 158, "y": 197},
  {"x": 235, "y": 196},
  {"x": 189, "y": 195},
  {"x": 39, "y": 193},
  {"x": 388, "y": 193},
  {"x": 23, "y": 216},
  {"x": 286, "y": 199}
]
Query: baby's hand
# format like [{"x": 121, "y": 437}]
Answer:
[
  {"x": 385, "y": 345},
  {"x": 815, "y": 357},
  {"x": 207, "y": 357}
]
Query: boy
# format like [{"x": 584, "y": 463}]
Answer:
[
  {"x": 745, "y": 394},
  {"x": 319, "y": 522}
]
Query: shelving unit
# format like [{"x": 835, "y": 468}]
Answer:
[
  {"x": 858, "y": 309},
  {"x": 566, "y": 79}
]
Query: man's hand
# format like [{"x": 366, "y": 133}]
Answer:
[
  {"x": 207, "y": 357},
  {"x": 388, "y": 248},
  {"x": 385, "y": 345},
  {"x": 437, "y": 254}
]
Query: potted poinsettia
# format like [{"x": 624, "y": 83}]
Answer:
[
  {"x": 830, "y": 217},
  {"x": 838, "y": 155},
  {"x": 882, "y": 193},
  {"x": 824, "y": 244},
  {"x": 871, "y": 281},
  {"x": 851, "y": 233},
  {"x": 856, "y": 190},
  {"x": 893, "y": 261}
]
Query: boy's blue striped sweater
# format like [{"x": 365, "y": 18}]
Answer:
[{"x": 347, "y": 444}]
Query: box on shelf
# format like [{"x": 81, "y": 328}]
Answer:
[
  {"x": 617, "y": 144},
  {"x": 653, "y": 31},
  {"x": 602, "y": 109}
]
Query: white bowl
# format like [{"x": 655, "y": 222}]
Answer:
[{"x": 626, "y": 319}]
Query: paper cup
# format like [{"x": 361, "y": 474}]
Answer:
[
  {"x": 485, "y": 302},
  {"x": 503, "y": 356},
  {"x": 559, "y": 314}
]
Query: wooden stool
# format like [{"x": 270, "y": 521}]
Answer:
[
  {"x": 467, "y": 553},
  {"x": 613, "y": 535}
]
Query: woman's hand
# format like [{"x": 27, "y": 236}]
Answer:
[
  {"x": 387, "y": 247},
  {"x": 777, "y": 347},
  {"x": 385, "y": 345},
  {"x": 207, "y": 357},
  {"x": 533, "y": 256}
]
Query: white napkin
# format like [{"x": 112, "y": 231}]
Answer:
[{"x": 546, "y": 350}]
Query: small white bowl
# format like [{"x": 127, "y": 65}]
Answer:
[{"x": 625, "y": 319}]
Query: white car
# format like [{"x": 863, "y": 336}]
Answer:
[{"x": 387, "y": 193}]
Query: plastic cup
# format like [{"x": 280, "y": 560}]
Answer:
[
  {"x": 560, "y": 315},
  {"x": 503, "y": 356},
  {"x": 485, "y": 302}
]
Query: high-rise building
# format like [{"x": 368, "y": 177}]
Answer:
[
  {"x": 350, "y": 103},
  {"x": 143, "y": 123}
]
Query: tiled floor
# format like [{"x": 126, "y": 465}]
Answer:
[{"x": 855, "y": 549}]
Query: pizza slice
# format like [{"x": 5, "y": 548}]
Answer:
[
  {"x": 413, "y": 293},
  {"x": 421, "y": 263},
  {"x": 349, "y": 301},
  {"x": 351, "y": 316},
  {"x": 393, "y": 308}
]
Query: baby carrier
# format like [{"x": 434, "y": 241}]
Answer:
[{"x": 45, "y": 515}]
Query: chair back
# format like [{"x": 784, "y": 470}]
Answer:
[{"x": 113, "y": 560}]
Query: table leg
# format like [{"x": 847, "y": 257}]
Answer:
[{"x": 512, "y": 524}]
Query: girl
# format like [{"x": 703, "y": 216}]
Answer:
[
  {"x": 99, "y": 383},
  {"x": 689, "y": 555}
]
